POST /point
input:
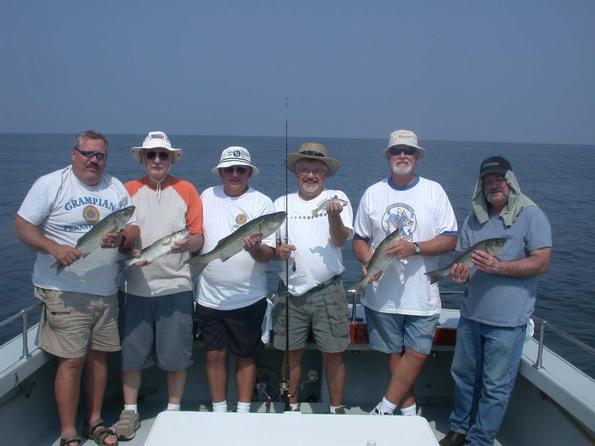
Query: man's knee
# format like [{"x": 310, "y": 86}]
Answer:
[{"x": 216, "y": 356}]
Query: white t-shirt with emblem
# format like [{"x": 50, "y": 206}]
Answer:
[
  {"x": 64, "y": 209},
  {"x": 240, "y": 281},
  {"x": 316, "y": 258},
  {"x": 422, "y": 211}
]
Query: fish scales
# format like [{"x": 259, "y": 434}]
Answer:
[{"x": 158, "y": 248}]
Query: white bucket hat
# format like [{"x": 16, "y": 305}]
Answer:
[
  {"x": 156, "y": 140},
  {"x": 235, "y": 156},
  {"x": 404, "y": 138}
]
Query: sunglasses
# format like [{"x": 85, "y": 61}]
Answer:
[
  {"x": 406, "y": 150},
  {"x": 317, "y": 171},
  {"x": 90, "y": 154},
  {"x": 152, "y": 154},
  {"x": 239, "y": 169}
]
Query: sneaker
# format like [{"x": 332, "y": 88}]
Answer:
[
  {"x": 339, "y": 411},
  {"x": 377, "y": 411},
  {"x": 127, "y": 425}
]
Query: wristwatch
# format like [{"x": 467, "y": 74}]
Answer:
[{"x": 417, "y": 251}]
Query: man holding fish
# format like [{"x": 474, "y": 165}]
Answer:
[
  {"x": 499, "y": 301},
  {"x": 156, "y": 300},
  {"x": 410, "y": 219},
  {"x": 66, "y": 215},
  {"x": 319, "y": 222},
  {"x": 232, "y": 286}
]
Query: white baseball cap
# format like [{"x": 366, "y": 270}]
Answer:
[
  {"x": 156, "y": 140},
  {"x": 235, "y": 156},
  {"x": 404, "y": 138}
]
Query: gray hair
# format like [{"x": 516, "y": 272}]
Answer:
[{"x": 91, "y": 134}]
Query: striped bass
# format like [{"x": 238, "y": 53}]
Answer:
[
  {"x": 378, "y": 262},
  {"x": 325, "y": 204},
  {"x": 157, "y": 249},
  {"x": 234, "y": 242},
  {"x": 91, "y": 240},
  {"x": 491, "y": 246}
]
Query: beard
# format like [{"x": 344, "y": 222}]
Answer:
[{"x": 401, "y": 169}]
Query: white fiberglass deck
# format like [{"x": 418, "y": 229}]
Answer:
[{"x": 288, "y": 429}]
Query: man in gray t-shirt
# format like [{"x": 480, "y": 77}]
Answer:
[{"x": 498, "y": 302}]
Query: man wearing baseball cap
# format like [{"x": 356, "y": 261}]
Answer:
[
  {"x": 402, "y": 307},
  {"x": 156, "y": 301},
  {"x": 499, "y": 301}
]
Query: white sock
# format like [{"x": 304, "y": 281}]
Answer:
[
  {"x": 220, "y": 407},
  {"x": 332, "y": 408},
  {"x": 409, "y": 411},
  {"x": 386, "y": 406},
  {"x": 172, "y": 406},
  {"x": 243, "y": 407},
  {"x": 133, "y": 407},
  {"x": 294, "y": 406}
]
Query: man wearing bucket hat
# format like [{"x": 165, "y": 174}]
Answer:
[
  {"x": 402, "y": 307},
  {"x": 499, "y": 301},
  {"x": 318, "y": 224},
  {"x": 156, "y": 300},
  {"x": 231, "y": 295}
]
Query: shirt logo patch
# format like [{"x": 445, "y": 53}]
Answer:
[
  {"x": 91, "y": 214},
  {"x": 402, "y": 216},
  {"x": 241, "y": 219}
]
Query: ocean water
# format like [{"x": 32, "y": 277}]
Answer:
[{"x": 559, "y": 178}]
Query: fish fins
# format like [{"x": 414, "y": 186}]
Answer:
[{"x": 197, "y": 264}]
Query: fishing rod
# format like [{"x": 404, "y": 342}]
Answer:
[{"x": 285, "y": 385}]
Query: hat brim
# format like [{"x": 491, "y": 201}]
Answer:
[
  {"x": 225, "y": 164},
  {"x": 494, "y": 170},
  {"x": 331, "y": 164},
  {"x": 137, "y": 153},
  {"x": 420, "y": 150}
]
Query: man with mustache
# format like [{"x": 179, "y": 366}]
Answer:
[
  {"x": 80, "y": 306},
  {"x": 402, "y": 307},
  {"x": 319, "y": 222},
  {"x": 499, "y": 301}
]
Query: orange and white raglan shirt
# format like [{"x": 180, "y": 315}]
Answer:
[{"x": 159, "y": 213}]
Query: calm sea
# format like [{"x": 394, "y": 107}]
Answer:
[{"x": 559, "y": 178}]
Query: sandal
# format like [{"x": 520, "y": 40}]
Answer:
[
  {"x": 99, "y": 432},
  {"x": 74, "y": 440}
]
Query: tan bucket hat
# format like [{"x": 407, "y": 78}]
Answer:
[
  {"x": 313, "y": 151},
  {"x": 404, "y": 138}
]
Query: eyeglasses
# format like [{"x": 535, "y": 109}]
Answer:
[
  {"x": 162, "y": 155},
  {"x": 239, "y": 169},
  {"x": 317, "y": 171},
  {"x": 406, "y": 150},
  {"x": 89, "y": 154}
]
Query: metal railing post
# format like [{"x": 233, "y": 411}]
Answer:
[
  {"x": 25, "y": 338},
  {"x": 539, "y": 362}
]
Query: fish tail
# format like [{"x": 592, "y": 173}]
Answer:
[
  {"x": 435, "y": 276},
  {"x": 197, "y": 264}
]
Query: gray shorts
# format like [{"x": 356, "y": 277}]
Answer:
[
  {"x": 156, "y": 330},
  {"x": 323, "y": 311},
  {"x": 73, "y": 323},
  {"x": 391, "y": 333}
]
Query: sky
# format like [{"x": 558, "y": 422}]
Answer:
[{"x": 504, "y": 71}]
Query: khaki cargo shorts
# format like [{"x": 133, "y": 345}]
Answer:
[
  {"x": 323, "y": 311},
  {"x": 73, "y": 323}
]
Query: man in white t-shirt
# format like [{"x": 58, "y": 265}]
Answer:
[
  {"x": 402, "y": 307},
  {"x": 231, "y": 295},
  {"x": 80, "y": 307},
  {"x": 319, "y": 222}
]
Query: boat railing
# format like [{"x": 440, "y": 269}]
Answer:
[
  {"x": 22, "y": 315},
  {"x": 541, "y": 325}
]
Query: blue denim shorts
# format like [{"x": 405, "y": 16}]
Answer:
[{"x": 391, "y": 333}]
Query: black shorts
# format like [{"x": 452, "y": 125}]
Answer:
[{"x": 238, "y": 330}]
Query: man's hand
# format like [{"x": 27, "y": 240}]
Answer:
[
  {"x": 65, "y": 254},
  {"x": 459, "y": 273},
  {"x": 401, "y": 249},
  {"x": 252, "y": 242},
  {"x": 181, "y": 246},
  {"x": 376, "y": 277},
  {"x": 334, "y": 208},
  {"x": 113, "y": 240},
  {"x": 485, "y": 262},
  {"x": 283, "y": 251}
]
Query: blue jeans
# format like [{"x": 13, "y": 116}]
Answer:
[{"x": 484, "y": 369}]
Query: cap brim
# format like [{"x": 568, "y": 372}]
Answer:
[{"x": 331, "y": 164}]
